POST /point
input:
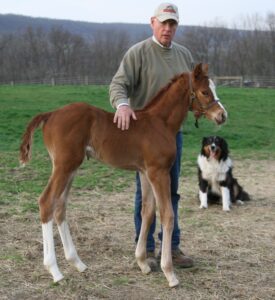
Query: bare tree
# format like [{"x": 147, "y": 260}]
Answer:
[
  {"x": 107, "y": 49},
  {"x": 270, "y": 20},
  {"x": 37, "y": 53}
]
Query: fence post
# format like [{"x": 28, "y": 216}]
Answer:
[
  {"x": 241, "y": 82},
  {"x": 86, "y": 80},
  {"x": 53, "y": 81}
]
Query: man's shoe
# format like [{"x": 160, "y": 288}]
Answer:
[
  {"x": 152, "y": 261},
  {"x": 180, "y": 259}
]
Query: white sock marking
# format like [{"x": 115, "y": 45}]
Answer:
[
  {"x": 49, "y": 251},
  {"x": 69, "y": 248}
]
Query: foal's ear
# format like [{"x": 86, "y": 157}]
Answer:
[
  {"x": 200, "y": 70},
  {"x": 205, "y": 69}
]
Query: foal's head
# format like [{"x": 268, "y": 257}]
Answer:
[{"x": 204, "y": 100}]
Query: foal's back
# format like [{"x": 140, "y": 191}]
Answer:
[{"x": 80, "y": 129}]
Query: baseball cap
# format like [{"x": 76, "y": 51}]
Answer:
[{"x": 167, "y": 11}]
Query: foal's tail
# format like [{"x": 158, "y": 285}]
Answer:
[{"x": 26, "y": 145}]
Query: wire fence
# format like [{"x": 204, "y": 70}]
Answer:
[
  {"x": 230, "y": 81},
  {"x": 245, "y": 81},
  {"x": 72, "y": 80}
]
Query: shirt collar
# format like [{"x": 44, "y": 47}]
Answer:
[{"x": 157, "y": 42}]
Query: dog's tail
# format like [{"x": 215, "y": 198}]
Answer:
[
  {"x": 26, "y": 145},
  {"x": 245, "y": 196},
  {"x": 239, "y": 192}
]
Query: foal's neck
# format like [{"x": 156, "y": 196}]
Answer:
[{"x": 172, "y": 103}]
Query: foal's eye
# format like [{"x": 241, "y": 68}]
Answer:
[{"x": 205, "y": 93}]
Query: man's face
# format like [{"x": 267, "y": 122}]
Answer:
[{"x": 164, "y": 31}]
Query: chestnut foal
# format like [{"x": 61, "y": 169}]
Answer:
[{"x": 78, "y": 130}]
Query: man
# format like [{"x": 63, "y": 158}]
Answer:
[{"x": 144, "y": 70}]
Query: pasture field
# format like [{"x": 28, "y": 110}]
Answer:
[{"x": 233, "y": 252}]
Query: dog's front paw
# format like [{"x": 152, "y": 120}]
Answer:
[
  {"x": 203, "y": 200},
  {"x": 202, "y": 206},
  {"x": 226, "y": 209}
]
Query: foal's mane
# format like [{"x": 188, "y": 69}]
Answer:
[{"x": 162, "y": 91}]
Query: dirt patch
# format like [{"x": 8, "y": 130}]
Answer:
[{"x": 233, "y": 252}]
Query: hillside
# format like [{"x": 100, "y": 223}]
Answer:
[
  {"x": 33, "y": 48},
  {"x": 10, "y": 23}
]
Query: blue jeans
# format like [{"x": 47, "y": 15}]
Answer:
[{"x": 174, "y": 173}]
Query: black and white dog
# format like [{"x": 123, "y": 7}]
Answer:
[{"x": 216, "y": 181}]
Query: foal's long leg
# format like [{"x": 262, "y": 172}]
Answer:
[
  {"x": 147, "y": 214},
  {"x": 49, "y": 251},
  {"x": 53, "y": 204},
  {"x": 64, "y": 231},
  {"x": 160, "y": 181},
  {"x": 47, "y": 204}
]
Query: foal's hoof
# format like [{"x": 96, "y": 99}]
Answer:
[
  {"x": 146, "y": 270},
  {"x": 54, "y": 271},
  {"x": 173, "y": 283},
  {"x": 81, "y": 267},
  {"x": 57, "y": 277}
]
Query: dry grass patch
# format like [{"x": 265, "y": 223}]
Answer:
[{"x": 234, "y": 252}]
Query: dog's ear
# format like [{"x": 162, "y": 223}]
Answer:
[
  {"x": 225, "y": 149},
  {"x": 203, "y": 143},
  {"x": 204, "y": 140}
]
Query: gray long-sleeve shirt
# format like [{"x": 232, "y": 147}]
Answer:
[{"x": 145, "y": 69}]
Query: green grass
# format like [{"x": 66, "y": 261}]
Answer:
[
  {"x": 20, "y": 103},
  {"x": 250, "y": 126},
  {"x": 13, "y": 256},
  {"x": 249, "y": 131}
]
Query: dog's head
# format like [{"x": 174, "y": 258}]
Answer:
[{"x": 215, "y": 147}]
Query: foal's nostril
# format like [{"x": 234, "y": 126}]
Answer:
[{"x": 223, "y": 116}]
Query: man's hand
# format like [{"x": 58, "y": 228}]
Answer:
[{"x": 123, "y": 116}]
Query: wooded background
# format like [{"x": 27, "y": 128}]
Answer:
[{"x": 33, "y": 50}]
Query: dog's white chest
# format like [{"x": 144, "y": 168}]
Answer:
[{"x": 213, "y": 170}]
